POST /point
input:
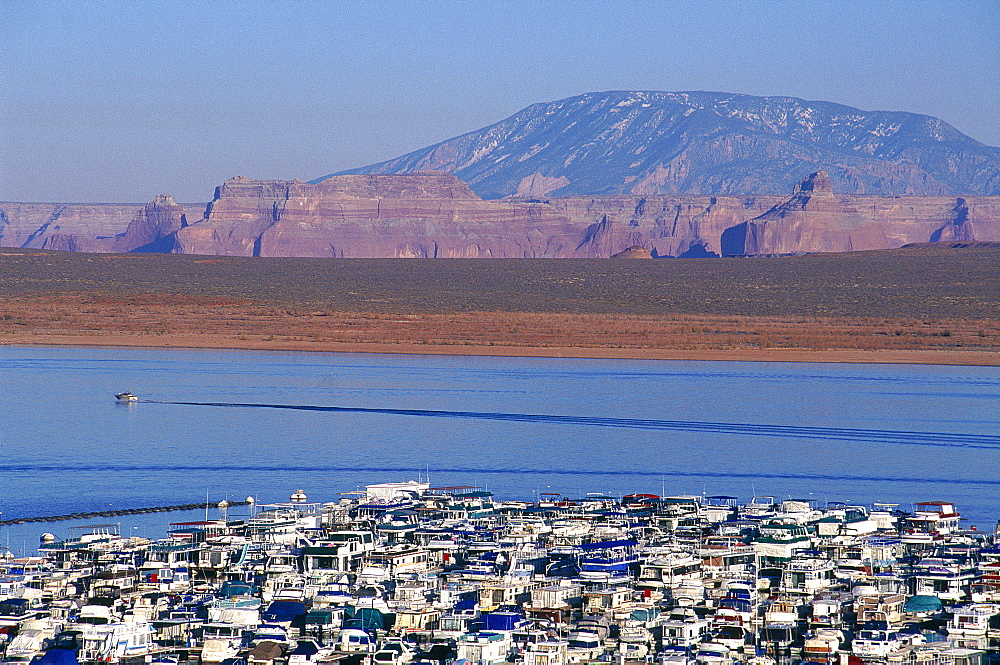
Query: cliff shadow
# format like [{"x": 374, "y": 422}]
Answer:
[
  {"x": 733, "y": 240},
  {"x": 698, "y": 251},
  {"x": 160, "y": 245}
]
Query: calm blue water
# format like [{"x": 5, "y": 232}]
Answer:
[{"x": 856, "y": 433}]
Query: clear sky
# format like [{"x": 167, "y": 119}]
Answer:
[{"x": 119, "y": 102}]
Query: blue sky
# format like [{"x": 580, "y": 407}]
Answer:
[{"x": 119, "y": 102}]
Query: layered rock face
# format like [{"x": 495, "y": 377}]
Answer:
[
  {"x": 707, "y": 143},
  {"x": 423, "y": 215},
  {"x": 686, "y": 226},
  {"x": 61, "y": 226},
  {"x": 98, "y": 227},
  {"x": 435, "y": 215},
  {"x": 814, "y": 220},
  {"x": 153, "y": 227}
]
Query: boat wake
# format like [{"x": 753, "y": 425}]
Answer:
[
  {"x": 272, "y": 468},
  {"x": 896, "y": 437}
]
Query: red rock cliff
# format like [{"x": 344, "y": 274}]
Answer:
[
  {"x": 431, "y": 214},
  {"x": 426, "y": 214},
  {"x": 813, "y": 219}
]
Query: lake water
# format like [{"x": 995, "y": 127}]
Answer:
[{"x": 515, "y": 426}]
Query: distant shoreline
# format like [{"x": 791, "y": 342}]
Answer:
[{"x": 847, "y": 356}]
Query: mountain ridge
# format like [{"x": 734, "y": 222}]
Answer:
[
  {"x": 706, "y": 143},
  {"x": 435, "y": 215}
]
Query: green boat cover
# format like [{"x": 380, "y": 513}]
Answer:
[{"x": 923, "y": 604}]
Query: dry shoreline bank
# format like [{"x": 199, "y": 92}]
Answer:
[
  {"x": 206, "y": 341},
  {"x": 924, "y": 304}
]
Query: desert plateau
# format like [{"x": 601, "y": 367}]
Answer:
[{"x": 931, "y": 303}]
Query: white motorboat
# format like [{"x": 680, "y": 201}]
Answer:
[{"x": 126, "y": 397}]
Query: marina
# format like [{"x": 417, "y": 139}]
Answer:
[
  {"x": 563, "y": 511},
  {"x": 403, "y": 572}
]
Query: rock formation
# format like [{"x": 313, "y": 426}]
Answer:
[
  {"x": 423, "y": 215},
  {"x": 93, "y": 227},
  {"x": 62, "y": 226},
  {"x": 707, "y": 143},
  {"x": 814, "y": 220},
  {"x": 688, "y": 226},
  {"x": 959, "y": 228},
  {"x": 634, "y": 252},
  {"x": 152, "y": 228},
  {"x": 435, "y": 215}
]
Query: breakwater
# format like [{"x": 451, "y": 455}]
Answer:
[{"x": 119, "y": 512}]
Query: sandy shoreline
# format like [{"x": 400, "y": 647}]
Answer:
[{"x": 206, "y": 341}]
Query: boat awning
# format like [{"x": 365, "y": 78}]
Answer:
[
  {"x": 609, "y": 544},
  {"x": 923, "y": 604}
]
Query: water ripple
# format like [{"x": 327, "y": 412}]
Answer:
[{"x": 298, "y": 468}]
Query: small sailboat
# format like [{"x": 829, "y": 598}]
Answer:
[{"x": 126, "y": 397}]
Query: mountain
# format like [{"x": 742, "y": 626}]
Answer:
[{"x": 706, "y": 143}]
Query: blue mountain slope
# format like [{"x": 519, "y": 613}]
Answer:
[{"x": 707, "y": 143}]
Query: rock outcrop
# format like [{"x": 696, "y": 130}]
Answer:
[
  {"x": 422, "y": 215},
  {"x": 94, "y": 227},
  {"x": 435, "y": 215},
  {"x": 63, "y": 226},
  {"x": 707, "y": 143},
  {"x": 687, "y": 226},
  {"x": 959, "y": 228},
  {"x": 634, "y": 252},
  {"x": 153, "y": 227},
  {"x": 431, "y": 214},
  {"x": 814, "y": 220}
]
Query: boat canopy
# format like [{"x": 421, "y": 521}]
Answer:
[
  {"x": 923, "y": 604},
  {"x": 609, "y": 545},
  {"x": 283, "y": 610},
  {"x": 58, "y": 657}
]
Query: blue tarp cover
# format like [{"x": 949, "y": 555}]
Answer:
[
  {"x": 501, "y": 621},
  {"x": 609, "y": 544},
  {"x": 58, "y": 657},
  {"x": 283, "y": 610}
]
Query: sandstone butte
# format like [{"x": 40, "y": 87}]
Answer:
[{"x": 435, "y": 215}]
